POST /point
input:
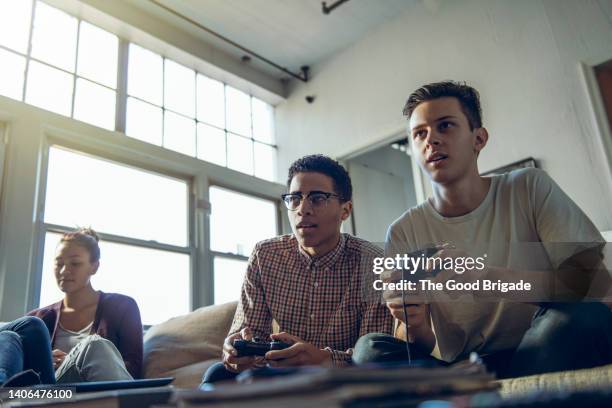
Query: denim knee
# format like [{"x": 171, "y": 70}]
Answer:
[
  {"x": 30, "y": 326},
  {"x": 368, "y": 348},
  {"x": 10, "y": 337},
  {"x": 585, "y": 318},
  {"x": 217, "y": 372}
]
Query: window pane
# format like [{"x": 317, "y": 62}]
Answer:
[
  {"x": 211, "y": 144},
  {"x": 265, "y": 160},
  {"x": 11, "y": 79},
  {"x": 179, "y": 133},
  {"x": 179, "y": 88},
  {"x": 98, "y": 55},
  {"x": 94, "y": 104},
  {"x": 49, "y": 88},
  {"x": 238, "y": 107},
  {"x": 115, "y": 199},
  {"x": 239, "y": 153},
  {"x": 211, "y": 101},
  {"x": 55, "y": 36},
  {"x": 253, "y": 217},
  {"x": 263, "y": 121},
  {"x": 144, "y": 121},
  {"x": 145, "y": 74},
  {"x": 125, "y": 269},
  {"x": 229, "y": 274},
  {"x": 15, "y": 18}
]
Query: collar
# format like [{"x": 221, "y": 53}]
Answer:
[{"x": 327, "y": 260}]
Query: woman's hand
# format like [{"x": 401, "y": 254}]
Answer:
[{"x": 58, "y": 358}]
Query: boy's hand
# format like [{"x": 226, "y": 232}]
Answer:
[
  {"x": 300, "y": 353},
  {"x": 231, "y": 361}
]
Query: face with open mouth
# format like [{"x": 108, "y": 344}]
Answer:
[
  {"x": 442, "y": 140},
  {"x": 73, "y": 268},
  {"x": 317, "y": 229}
]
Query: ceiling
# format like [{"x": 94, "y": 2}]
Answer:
[{"x": 291, "y": 33}]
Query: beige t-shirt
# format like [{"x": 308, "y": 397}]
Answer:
[{"x": 519, "y": 225}]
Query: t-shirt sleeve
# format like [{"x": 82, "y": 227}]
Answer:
[{"x": 562, "y": 226}]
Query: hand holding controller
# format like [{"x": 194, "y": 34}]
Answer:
[{"x": 257, "y": 347}]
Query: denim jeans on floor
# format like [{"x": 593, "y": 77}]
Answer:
[{"x": 25, "y": 345}]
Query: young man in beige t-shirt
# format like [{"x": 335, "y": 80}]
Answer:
[{"x": 526, "y": 228}]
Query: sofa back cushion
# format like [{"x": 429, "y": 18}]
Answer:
[{"x": 187, "y": 339}]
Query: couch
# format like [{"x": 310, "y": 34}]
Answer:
[{"x": 185, "y": 346}]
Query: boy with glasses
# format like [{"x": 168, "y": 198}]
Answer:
[{"x": 315, "y": 283}]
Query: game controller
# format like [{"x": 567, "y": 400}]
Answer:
[{"x": 257, "y": 347}]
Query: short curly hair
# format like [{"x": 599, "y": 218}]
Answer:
[
  {"x": 318, "y": 163},
  {"x": 468, "y": 98}
]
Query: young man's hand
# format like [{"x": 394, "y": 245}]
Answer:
[
  {"x": 300, "y": 353},
  {"x": 419, "y": 327},
  {"x": 58, "y": 358},
  {"x": 230, "y": 359}
]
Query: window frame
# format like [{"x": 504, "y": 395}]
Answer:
[
  {"x": 52, "y": 141},
  {"x": 141, "y": 155},
  {"x": 121, "y": 91},
  {"x": 28, "y": 58},
  {"x": 230, "y": 255}
]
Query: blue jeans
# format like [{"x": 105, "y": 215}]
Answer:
[
  {"x": 565, "y": 336},
  {"x": 217, "y": 372},
  {"x": 25, "y": 345}
]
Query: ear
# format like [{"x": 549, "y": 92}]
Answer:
[
  {"x": 480, "y": 141},
  {"x": 96, "y": 265},
  {"x": 346, "y": 210}
]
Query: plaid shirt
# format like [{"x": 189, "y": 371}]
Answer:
[{"x": 326, "y": 301}]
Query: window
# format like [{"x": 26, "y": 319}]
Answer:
[
  {"x": 175, "y": 107},
  {"x": 42, "y": 57},
  {"x": 237, "y": 222},
  {"x": 143, "y": 219},
  {"x": 60, "y": 63}
]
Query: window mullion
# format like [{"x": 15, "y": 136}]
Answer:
[{"x": 122, "y": 84}]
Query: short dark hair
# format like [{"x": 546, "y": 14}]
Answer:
[
  {"x": 318, "y": 163},
  {"x": 468, "y": 98}
]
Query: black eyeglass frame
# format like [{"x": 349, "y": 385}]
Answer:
[{"x": 327, "y": 195}]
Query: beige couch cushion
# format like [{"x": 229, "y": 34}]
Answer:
[{"x": 183, "y": 347}]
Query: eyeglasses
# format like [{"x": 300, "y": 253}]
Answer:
[{"x": 317, "y": 199}]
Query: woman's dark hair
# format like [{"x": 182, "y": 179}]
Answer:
[
  {"x": 468, "y": 98},
  {"x": 318, "y": 163},
  {"x": 87, "y": 238}
]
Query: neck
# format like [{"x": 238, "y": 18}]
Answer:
[
  {"x": 323, "y": 248},
  {"x": 460, "y": 197},
  {"x": 81, "y": 298}
]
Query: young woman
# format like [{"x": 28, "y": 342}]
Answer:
[{"x": 95, "y": 336}]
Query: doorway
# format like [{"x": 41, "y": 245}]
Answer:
[{"x": 385, "y": 184}]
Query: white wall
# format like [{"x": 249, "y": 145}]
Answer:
[{"x": 523, "y": 57}]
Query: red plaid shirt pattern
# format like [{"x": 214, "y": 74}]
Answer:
[{"x": 327, "y": 301}]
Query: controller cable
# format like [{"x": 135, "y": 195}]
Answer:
[{"x": 406, "y": 319}]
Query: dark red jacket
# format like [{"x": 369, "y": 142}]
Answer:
[{"x": 117, "y": 319}]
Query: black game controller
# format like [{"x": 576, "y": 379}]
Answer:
[{"x": 257, "y": 347}]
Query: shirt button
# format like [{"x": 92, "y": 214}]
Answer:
[
  {"x": 327, "y": 270},
  {"x": 312, "y": 316},
  {"x": 316, "y": 284}
]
